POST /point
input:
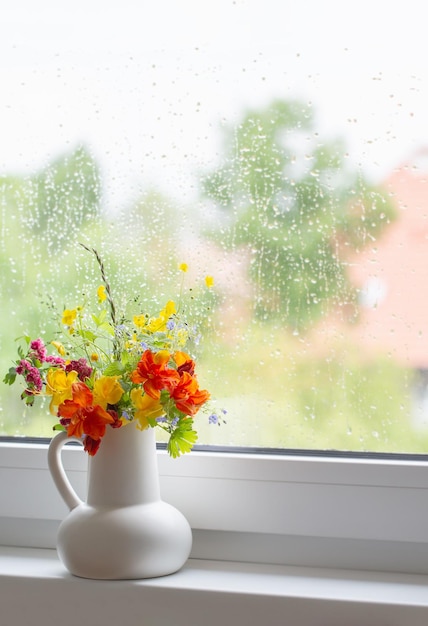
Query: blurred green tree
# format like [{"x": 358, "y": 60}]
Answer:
[
  {"x": 295, "y": 204},
  {"x": 45, "y": 212},
  {"x": 63, "y": 197}
]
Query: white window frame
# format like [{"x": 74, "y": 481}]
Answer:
[{"x": 326, "y": 511}]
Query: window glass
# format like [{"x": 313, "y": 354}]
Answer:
[{"x": 279, "y": 147}]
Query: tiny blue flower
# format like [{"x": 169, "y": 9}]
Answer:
[{"x": 213, "y": 419}]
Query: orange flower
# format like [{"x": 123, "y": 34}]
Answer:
[
  {"x": 187, "y": 396},
  {"x": 184, "y": 363},
  {"x": 81, "y": 416},
  {"x": 81, "y": 396},
  {"x": 90, "y": 420},
  {"x": 152, "y": 372}
]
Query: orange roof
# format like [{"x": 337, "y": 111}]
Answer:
[{"x": 392, "y": 274}]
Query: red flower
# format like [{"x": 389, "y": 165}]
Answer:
[
  {"x": 187, "y": 396},
  {"x": 91, "y": 445},
  {"x": 116, "y": 420},
  {"x": 154, "y": 374},
  {"x": 84, "y": 418}
]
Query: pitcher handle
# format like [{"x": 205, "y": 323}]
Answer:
[{"x": 57, "y": 471}]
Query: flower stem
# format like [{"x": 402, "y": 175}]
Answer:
[{"x": 116, "y": 349}]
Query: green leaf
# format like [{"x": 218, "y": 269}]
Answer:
[
  {"x": 182, "y": 438},
  {"x": 26, "y": 338},
  {"x": 21, "y": 353},
  {"x": 88, "y": 335},
  {"x": 99, "y": 319},
  {"x": 58, "y": 427},
  {"x": 29, "y": 400},
  {"x": 10, "y": 377},
  {"x": 114, "y": 369},
  {"x": 107, "y": 327},
  {"x": 125, "y": 358}
]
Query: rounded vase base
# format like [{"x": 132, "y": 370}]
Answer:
[{"x": 132, "y": 542}]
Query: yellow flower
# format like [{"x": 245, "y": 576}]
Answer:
[
  {"x": 131, "y": 343},
  {"x": 107, "y": 390},
  {"x": 159, "y": 323},
  {"x": 59, "y": 347},
  {"x": 168, "y": 310},
  {"x": 209, "y": 281},
  {"x": 182, "y": 336},
  {"x": 68, "y": 316},
  {"x": 147, "y": 407},
  {"x": 101, "y": 293},
  {"x": 139, "y": 320},
  {"x": 58, "y": 385},
  {"x": 162, "y": 357},
  {"x": 183, "y": 267}
]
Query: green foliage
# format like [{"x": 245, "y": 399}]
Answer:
[
  {"x": 63, "y": 196},
  {"x": 295, "y": 206},
  {"x": 59, "y": 199},
  {"x": 115, "y": 369},
  {"x": 183, "y": 438},
  {"x": 290, "y": 396},
  {"x": 10, "y": 376}
]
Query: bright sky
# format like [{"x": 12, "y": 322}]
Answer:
[{"x": 147, "y": 85}]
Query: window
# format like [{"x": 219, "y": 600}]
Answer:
[
  {"x": 181, "y": 122},
  {"x": 287, "y": 163}
]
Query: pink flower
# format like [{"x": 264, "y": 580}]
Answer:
[
  {"x": 23, "y": 367},
  {"x": 55, "y": 360},
  {"x": 31, "y": 375},
  {"x": 38, "y": 350},
  {"x": 82, "y": 368}
]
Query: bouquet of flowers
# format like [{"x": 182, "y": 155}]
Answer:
[{"x": 111, "y": 372}]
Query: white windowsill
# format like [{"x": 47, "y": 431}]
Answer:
[
  {"x": 36, "y": 589},
  {"x": 310, "y": 512}
]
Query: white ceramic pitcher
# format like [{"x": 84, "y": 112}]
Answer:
[{"x": 124, "y": 530}]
